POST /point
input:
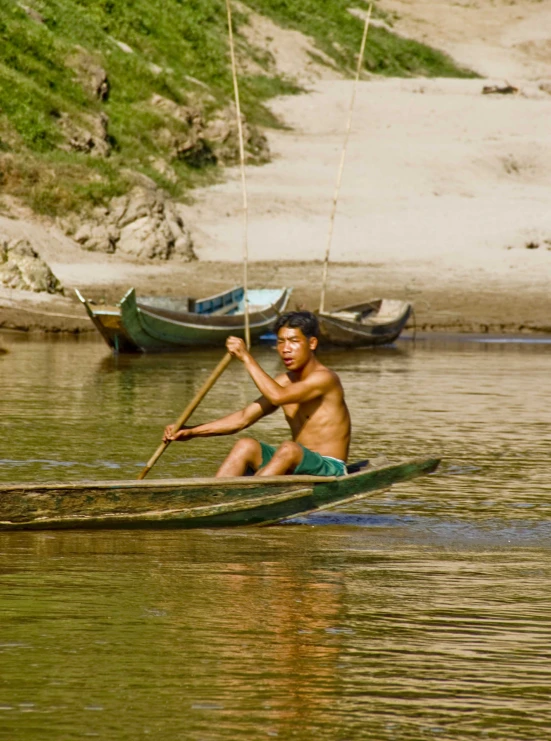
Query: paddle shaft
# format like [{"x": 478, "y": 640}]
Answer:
[{"x": 188, "y": 411}]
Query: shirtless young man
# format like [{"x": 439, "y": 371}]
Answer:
[{"x": 312, "y": 400}]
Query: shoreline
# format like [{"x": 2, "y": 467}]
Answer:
[{"x": 480, "y": 303}]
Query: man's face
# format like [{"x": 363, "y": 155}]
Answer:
[{"x": 294, "y": 348}]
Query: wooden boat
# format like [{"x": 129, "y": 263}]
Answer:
[
  {"x": 192, "y": 503},
  {"x": 377, "y": 322},
  {"x": 162, "y": 323},
  {"x": 107, "y": 320},
  {"x": 154, "y": 329}
]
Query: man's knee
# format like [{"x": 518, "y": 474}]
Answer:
[
  {"x": 246, "y": 453},
  {"x": 248, "y": 450},
  {"x": 246, "y": 445},
  {"x": 291, "y": 452}
]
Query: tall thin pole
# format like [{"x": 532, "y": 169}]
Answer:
[
  {"x": 341, "y": 166},
  {"x": 243, "y": 181}
]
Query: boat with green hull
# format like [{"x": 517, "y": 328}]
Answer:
[
  {"x": 155, "y": 329},
  {"x": 161, "y": 323},
  {"x": 193, "y": 502}
]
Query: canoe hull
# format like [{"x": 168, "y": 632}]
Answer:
[
  {"x": 107, "y": 320},
  {"x": 377, "y": 322},
  {"x": 164, "y": 324},
  {"x": 158, "y": 331},
  {"x": 191, "y": 503}
]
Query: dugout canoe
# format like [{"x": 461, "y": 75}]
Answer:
[
  {"x": 157, "y": 324},
  {"x": 192, "y": 502},
  {"x": 376, "y": 322}
]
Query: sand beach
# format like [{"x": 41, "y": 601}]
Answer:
[{"x": 445, "y": 198}]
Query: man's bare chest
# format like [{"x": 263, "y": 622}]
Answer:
[{"x": 301, "y": 414}]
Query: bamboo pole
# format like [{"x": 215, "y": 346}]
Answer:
[
  {"x": 341, "y": 165},
  {"x": 243, "y": 180},
  {"x": 223, "y": 364},
  {"x": 188, "y": 411}
]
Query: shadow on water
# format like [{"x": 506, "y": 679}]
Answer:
[{"x": 462, "y": 535}]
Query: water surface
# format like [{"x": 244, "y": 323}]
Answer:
[{"x": 421, "y": 613}]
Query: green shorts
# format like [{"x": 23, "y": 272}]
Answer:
[{"x": 312, "y": 464}]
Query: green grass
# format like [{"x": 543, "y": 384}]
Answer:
[
  {"x": 172, "y": 42},
  {"x": 338, "y": 33}
]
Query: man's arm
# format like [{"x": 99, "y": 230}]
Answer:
[
  {"x": 235, "y": 422},
  {"x": 317, "y": 384}
]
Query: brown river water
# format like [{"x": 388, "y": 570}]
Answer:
[{"x": 423, "y": 612}]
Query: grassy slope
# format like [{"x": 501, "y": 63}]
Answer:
[
  {"x": 184, "y": 39},
  {"x": 338, "y": 33}
]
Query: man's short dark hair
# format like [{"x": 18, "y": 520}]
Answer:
[{"x": 303, "y": 320}]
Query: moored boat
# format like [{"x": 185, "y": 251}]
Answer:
[
  {"x": 158, "y": 329},
  {"x": 376, "y": 322},
  {"x": 107, "y": 320},
  {"x": 192, "y": 502},
  {"x": 164, "y": 323}
]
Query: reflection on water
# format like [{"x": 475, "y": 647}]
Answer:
[{"x": 423, "y": 613}]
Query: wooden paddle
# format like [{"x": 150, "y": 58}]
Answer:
[{"x": 188, "y": 411}]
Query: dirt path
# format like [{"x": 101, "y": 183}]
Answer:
[{"x": 507, "y": 39}]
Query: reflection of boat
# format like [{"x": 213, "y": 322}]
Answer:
[
  {"x": 192, "y": 503},
  {"x": 157, "y": 324},
  {"x": 376, "y": 322}
]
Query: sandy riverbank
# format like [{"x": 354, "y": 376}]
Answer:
[
  {"x": 445, "y": 197},
  {"x": 454, "y": 302}
]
